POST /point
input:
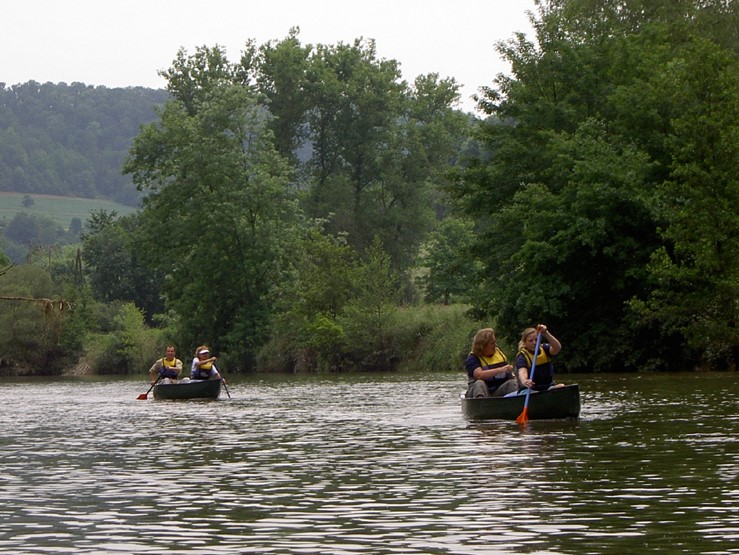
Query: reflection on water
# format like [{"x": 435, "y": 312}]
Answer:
[{"x": 335, "y": 466}]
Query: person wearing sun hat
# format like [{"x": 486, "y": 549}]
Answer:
[{"x": 203, "y": 367}]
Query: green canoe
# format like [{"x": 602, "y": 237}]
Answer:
[
  {"x": 560, "y": 402},
  {"x": 196, "y": 389}
]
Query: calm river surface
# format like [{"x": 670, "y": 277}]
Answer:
[{"x": 367, "y": 464}]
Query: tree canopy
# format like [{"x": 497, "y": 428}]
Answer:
[
  {"x": 608, "y": 156},
  {"x": 230, "y": 185}
]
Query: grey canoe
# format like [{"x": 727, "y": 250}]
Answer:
[
  {"x": 561, "y": 402},
  {"x": 205, "y": 389}
]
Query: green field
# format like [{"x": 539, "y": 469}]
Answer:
[{"x": 60, "y": 209}]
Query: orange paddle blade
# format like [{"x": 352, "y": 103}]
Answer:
[
  {"x": 523, "y": 417},
  {"x": 143, "y": 397}
]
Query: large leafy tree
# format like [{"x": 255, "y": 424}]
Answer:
[
  {"x": 694, "y": 275},
  {"x": 307, "y": 334},
  {"x": 280, "y": 70},
  {"x": 114, "y": 264},
  {"x": 370, "y": 150},
  {"x": 378, "y": 147},
  {"x": 451, "y": 270},
  {"x": 218, "y": 217},
  {"x": 586, "y": 143}
]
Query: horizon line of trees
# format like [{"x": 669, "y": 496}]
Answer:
[
  {"x": 71, "y": 139},
  {"x": 306, "y": 209}
]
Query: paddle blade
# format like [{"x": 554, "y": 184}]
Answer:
[
  {"x": 143, "y": 397},
  {"x": 523, "y": 418}
]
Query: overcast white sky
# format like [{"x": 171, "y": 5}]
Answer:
[{"x": 120, "y": 43}]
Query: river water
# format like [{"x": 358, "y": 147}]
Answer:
[{"x": 381, "y": 464}]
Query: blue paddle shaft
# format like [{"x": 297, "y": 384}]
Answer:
[{"x": 533, "y": 367}]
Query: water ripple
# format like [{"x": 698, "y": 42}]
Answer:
[{"x": 299, "y": 466}]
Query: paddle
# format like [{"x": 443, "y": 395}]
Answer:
[
  {"x": 145, "y": 396},
  {"x": 223, "y": 381},
  {"x": 524, "y": 416}
]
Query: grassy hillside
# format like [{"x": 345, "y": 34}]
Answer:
[{"x": 60, "y": 209}]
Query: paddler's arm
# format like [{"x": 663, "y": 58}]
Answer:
[
  {"x": 523, "y": 377},
  {"x": 554, "y": 345},
  {"x": 480, "y": 374},
  {"x": 154, "y": 369}
]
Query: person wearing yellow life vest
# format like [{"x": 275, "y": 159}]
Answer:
[
  {"x": 203, "y": 367},
  {"x": 488, "y": 371},
  {"x": 168, "y": 367},
  {"x": 543, "y": 378}
]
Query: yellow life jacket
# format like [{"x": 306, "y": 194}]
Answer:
[
  {"x": 171, "y": 363},
  {"x": 541, "y": 360},
  {"x": 498, "y": 359}
]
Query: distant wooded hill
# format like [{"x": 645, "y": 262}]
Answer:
[{"x": 70, "y": 140}]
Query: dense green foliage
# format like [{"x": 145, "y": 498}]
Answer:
[
  {"x": 609, "y": 157},
  {"x": 70, "y": 140},
  {"x": 230, "y": 196},
  {"x": 220, "y": 219},
  {"x": 371, "y": 150},
  {"x": 30, "y": 331},
  {"x": 116, "y": 270}
]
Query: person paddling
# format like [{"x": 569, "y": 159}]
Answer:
[
  {"x": 543, "y": 378},
  {"x": 203, "y": 365},
  {"x": 168, "y": 367}
]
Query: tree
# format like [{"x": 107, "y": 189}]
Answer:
[
  {"x": 378, "y": 148},
  {"x": 694, "y": 276},
  {"x": 31, "y": 230},
  {"x": 282, "y": 76},
  {"x": 586, "y": 143},
  {"x": 307, "y": 332},
  {"x": 219, "y": 218},
  {"x": 452, "y": 269},
  {"x": 366, "y": 317},
  {"x": 355, "y": 101},
  {"x": 115, "y": 267},
  {"x": 136, "y": 343},
  {"x": 31, "y": 323},
  {"x": 75, "y": 226}
]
